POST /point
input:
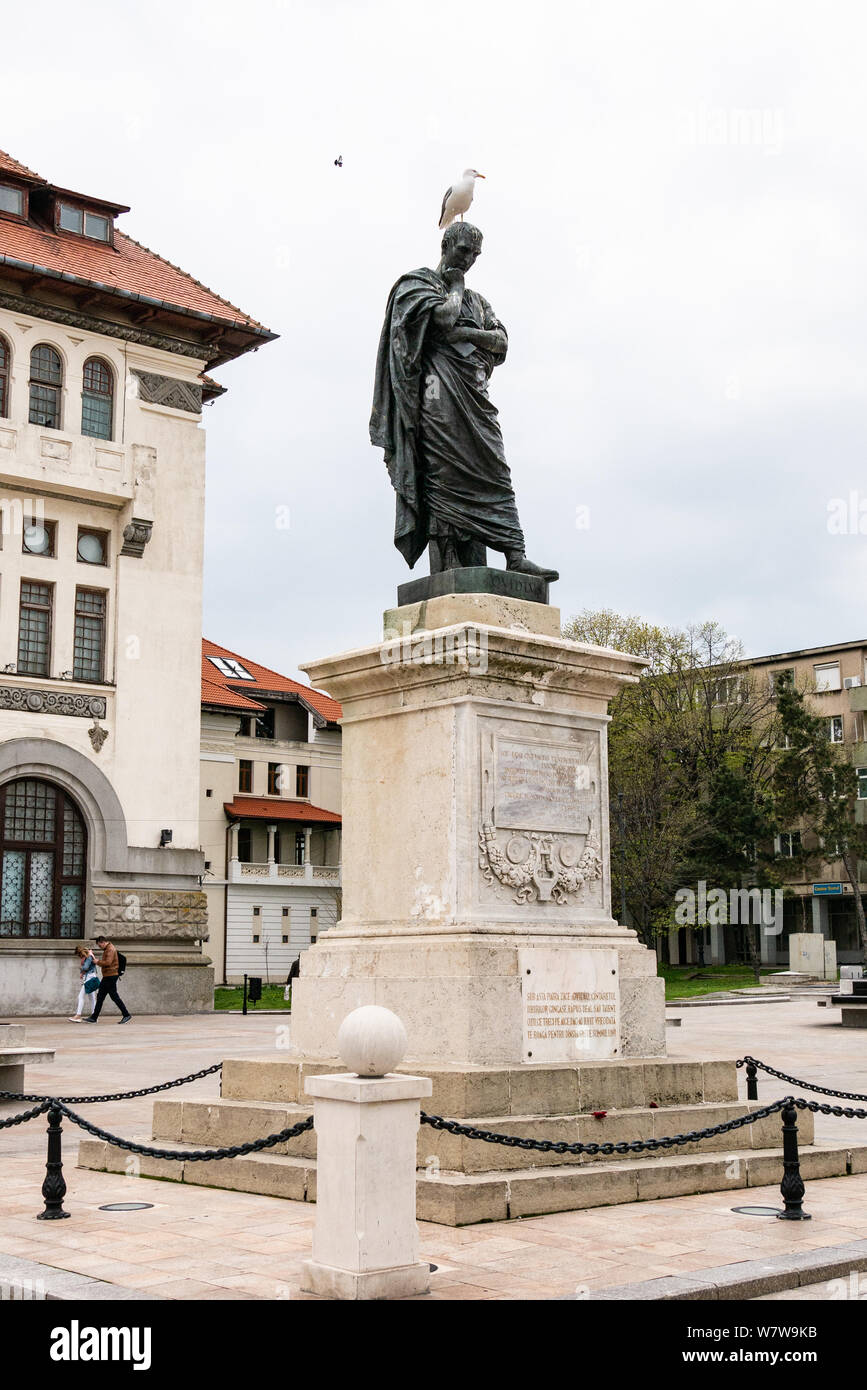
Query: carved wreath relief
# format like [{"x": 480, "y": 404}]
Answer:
[
  {"x": 541, "y": 816},
  {"x": 539, "y": 865}
]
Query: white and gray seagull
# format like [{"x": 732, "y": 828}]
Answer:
[{"x": 458, "y": 198}]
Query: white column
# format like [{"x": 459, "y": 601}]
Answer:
[
  {"x": 307, "y": 834},
  {"x": 271, "y": 855},
  {"x": 233, "y": 841},
  {"x": 365, "y": 1240}
]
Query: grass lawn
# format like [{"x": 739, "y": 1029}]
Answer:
[
  {"x": 233, "y": 998},
  {"x": 686, "y": 981}
]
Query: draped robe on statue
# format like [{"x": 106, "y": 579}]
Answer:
[{"x": 433, "y": 418}]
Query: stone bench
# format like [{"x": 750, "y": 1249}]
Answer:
[
  {"x": 14, "y": 1056},
  {"x": 853, "y": 1008}
]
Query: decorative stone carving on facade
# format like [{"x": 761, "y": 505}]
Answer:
[
  {"x": 97, "y": 735},
  {"x": 540, "y": 866},
  {"x": 290, "y": 870},
  {"x": 21, "y": 697},
  {"x": 73, "y": 318},
  {"x": 327, "y": 875},
  {"x": 135, "y": 537},
  {"x": 126, "y": 914},
  {"x": 169, "y": 390}
]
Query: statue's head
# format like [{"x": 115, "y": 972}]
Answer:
[{"x": 461, "y": 245}]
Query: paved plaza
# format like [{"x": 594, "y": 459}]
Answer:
[{"x": 204, "y": 1243}]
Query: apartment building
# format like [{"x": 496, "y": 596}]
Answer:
[{"x": 269, "y": 813}]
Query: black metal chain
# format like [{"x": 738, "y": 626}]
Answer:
[
  {"x": 117, "y": 1095},
  {"x": 514, "y": 1141},
  {"x": 192, "y": 1155},
  {"x": 819, "y": 1109},
  {"x": 794, "y": 1081},
  {"x": 25, "y": 1116}
]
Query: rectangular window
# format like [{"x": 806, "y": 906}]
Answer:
[
  {"x": 300, "y": 839},
  {"x": 286, "y": 910},
  {"x": 789, "y": 843},
  {"x": 96, "y": 227},
  {"x": 245, "y": 844},
  {"x": 11, "y": 200},
  {"x": 835, "y": 728},
  {"x": 861, "y": 774},
  {"x": 257, "y": 912},
  {"x": 273, "y": 779},
  {"x": 39, "y": 539},
  {"x": 827, "y": 676},
  {"x": 302, "y": 781},
  {"x": 245, "y": 775},
  {"x": 34, "y": 629},
  {"x": 71, "y": 219},
  {"x": 89, "y": 650}
]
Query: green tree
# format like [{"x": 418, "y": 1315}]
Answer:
[
  {"x": 816, "y": 787},
  {"x": 693, "y": 721}
]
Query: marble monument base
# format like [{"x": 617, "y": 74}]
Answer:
[{"x": 475, "y": 853}]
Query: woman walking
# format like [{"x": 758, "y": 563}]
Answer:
[{"x": 89, "y": 980}]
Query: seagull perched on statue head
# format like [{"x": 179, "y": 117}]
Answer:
[{"x": 458, "y": 198}]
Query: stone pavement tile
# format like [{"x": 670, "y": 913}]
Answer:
[
  {"x": 259, "y": 1285},
  {"x": 182, "y": 1289}
]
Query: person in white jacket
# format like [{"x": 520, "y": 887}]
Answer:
[{"x": 87, "y": 972}]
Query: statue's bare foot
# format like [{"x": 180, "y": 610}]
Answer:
[{"x": 517, "y": 560}]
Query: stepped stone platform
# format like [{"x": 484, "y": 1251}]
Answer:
[
  {"x": 15, "y": 1056},
  {"x": 462, "y": 1181}
]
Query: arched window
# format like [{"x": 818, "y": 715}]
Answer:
[
  {"x": 5, "y": 364},
  {"x": 97, "y": 399},
  {"x": 46, "y": 380},
  {"x": 44, "y": 849}
]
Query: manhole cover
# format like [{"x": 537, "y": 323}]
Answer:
[
  {"x": 757, "y": 1211},
  {"x": 127, "y": 1206}
]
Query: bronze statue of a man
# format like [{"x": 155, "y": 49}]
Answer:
[{"x": 432, "y": 416}]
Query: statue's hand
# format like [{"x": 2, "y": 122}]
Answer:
[{"x": 454, "y": 278}]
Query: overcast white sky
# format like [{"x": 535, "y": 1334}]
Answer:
[{"x": 674, "y": 219}]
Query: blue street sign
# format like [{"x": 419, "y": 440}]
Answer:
[{"x": 827, "y": 890}]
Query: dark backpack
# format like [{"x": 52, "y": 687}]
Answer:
[{"x": 121, "y": 964}]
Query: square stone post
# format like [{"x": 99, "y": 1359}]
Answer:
[{"x": 365, "y": 1241}]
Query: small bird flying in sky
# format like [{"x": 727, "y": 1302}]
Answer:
[
  {"x": 339, "y": 161},
  {"x": 458, "y": 198}
]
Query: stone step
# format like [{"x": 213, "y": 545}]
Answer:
[
  {"x": 564, "y": 1089},
  {"x": 12, "y": 1034},
  {"x": 453, "y": 1199},
  {"x": 225, "y": 1123}
]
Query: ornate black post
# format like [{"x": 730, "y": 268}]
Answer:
[
  {"x": 792, "y": 1186},
  {"x": 752, "y": 1081},
  {"x": 54, "y": 1188}
]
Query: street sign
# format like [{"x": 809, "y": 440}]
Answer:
[{"x": 827, "y": 890}]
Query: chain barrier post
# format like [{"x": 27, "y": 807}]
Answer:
[
  {"x": 752, "y": 1080},
  {"x": 244, "y": 1004},
  {"x": 792, "y": 1186},
  {"x": 54, "y": 1187},
  {"x": 365, "y": 1238}
]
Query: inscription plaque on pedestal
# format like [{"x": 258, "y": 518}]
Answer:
[{"x": 570, "y": 1004}]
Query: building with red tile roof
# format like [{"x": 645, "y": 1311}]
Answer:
[
  {"x": 270, "y": 813},
  {"x": 62, "y": 251},
  {"x": 104, "y": 353}
]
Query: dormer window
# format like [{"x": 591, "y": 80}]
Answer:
[
  {"x": 11, "y": 200},
  {"x": 89, "y": 224}
]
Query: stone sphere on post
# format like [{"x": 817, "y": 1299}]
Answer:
[{"x": 372, "y": 1041}]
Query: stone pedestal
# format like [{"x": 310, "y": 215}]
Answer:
[
  {"x": 365, "y": 1241},
  {"x": 477, "y": 893}
]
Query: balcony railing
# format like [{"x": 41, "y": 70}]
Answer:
[{"x": 322, "y": 875}]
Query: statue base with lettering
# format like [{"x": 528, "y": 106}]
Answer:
[{"x": 477, "y": 895}]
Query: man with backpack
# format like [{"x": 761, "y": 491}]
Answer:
[{"x": 112, "y": 964}]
